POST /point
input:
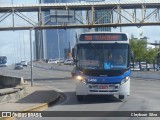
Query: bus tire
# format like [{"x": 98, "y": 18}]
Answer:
[
  {"x": 121, "y": 97},
  {"x": 80, "y": 97}
]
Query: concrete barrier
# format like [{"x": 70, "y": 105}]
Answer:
[
  {"x": 9, "y": 81},
  {"x": 146, "y": 74},
  {"x": 12, "y": 94},
  {"x": 135, "y": 74}
]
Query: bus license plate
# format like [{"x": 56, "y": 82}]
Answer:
[
  {"x": 103, "y": 86},
  {"x": 96, "y": 86}
]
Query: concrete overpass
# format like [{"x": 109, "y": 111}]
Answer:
[{"x": 121, "y": 14}]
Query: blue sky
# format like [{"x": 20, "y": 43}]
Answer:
[
  {"x": 15, "y": 44},
  {"x": 18, "y": 1}
]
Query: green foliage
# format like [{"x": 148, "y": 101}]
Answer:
[{"x": 139, "y": 48}]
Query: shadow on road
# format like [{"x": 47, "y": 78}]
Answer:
[
  {"x": 40, "y": 96},
  {"x": 101, "y": 99},
  {"x": 91, "y": 99}
]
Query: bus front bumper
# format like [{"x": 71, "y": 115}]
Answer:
[{"x": 103, "y": 89}]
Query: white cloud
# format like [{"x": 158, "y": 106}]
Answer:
[
  {"x": 151, "y": 46},
  {"x": 151, "y": 32},
  {"x": 16, "y": 44}
]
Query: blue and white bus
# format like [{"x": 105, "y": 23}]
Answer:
[
  {"x": 3, "y": 61},
  {"x": 102, "y": 64}
]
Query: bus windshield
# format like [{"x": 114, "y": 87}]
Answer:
[{"x": 102, "y": 56}]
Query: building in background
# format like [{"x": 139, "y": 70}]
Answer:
[
  {"x": 39, "y": 48},
  {"x": 55, "y": 43},
  {"x": 58, "y": 43},
  {"x": 101, "y": 16}
]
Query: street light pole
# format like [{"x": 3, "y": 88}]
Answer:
[
  {"x": 31, "y": 57},
  {"x": 31, "y": 53}
]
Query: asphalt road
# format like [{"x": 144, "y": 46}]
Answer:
[{"x": 145, "y": 95}]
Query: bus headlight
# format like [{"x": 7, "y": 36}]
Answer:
[
  {"x": 80, "y": 78},
  {"x": 125, "y": 80}
]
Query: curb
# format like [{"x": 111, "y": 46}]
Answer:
[
  {"x": 145, "y": 75},
  {"x": 42, "y": 106},
  {"x": 39, "y": 107}
]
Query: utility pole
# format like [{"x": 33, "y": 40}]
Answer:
[{"x": 31, "y": 57}]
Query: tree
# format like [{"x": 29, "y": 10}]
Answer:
[
  {"x": 140, "y": 50},
  {"x": 138, "y": 47},
  {"x": 151, "y": 54}
]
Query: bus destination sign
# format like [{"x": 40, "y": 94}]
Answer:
[{"x": 103, "y": 37}]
